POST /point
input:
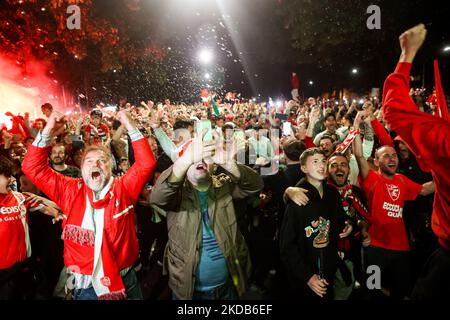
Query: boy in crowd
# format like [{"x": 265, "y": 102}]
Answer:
[{"x": 309, "y": 234}]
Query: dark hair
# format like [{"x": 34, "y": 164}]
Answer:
[
  {"x": 327, "y": 136},
  {"x": 329, "y": 114},
  {"x": 309, "y": 153},
  {"x": 293, "y": 149},
  {"x": 6, "y": 167},
  {"x": 44, "y": 123},
  {"x": 116, "y": 124},
  {"x": 350, "y": 117},
  {"x": 47, "y": 106},
  {"x": 96, "y": 113},
  {"x": 182, "y": 124},
  {"x": 338, "y": 154}
]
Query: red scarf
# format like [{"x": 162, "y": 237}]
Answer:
[
  {"x": 109, "y": 286},
  {"x": 106, "y": 279},
  {"x": 350, "y": 199}
]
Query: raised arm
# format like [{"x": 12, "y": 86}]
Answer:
[
  {"x": 166, "y": 192},
  {"x": 381, "y": 133},
  {"x": 36, "y": 168},
  {"x": 358, "y": 149},
  {"x": 425, "y": 134},
  {"x": 141, "y": 170}
]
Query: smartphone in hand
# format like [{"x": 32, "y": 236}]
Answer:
[
  {"x": 204, "y": 124},
  {"x": 287, "y": 129}
]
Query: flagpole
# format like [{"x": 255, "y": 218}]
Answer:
[{"x": 423, "y": 75}]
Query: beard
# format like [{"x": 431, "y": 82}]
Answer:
[
  {"x": 387, "y": 170},
  {"x": 339, "y": 179},
  {"x": 58, "y": 161},
  {"x": 96, "y": 179}
]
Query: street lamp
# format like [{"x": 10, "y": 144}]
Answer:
[{"x": 205, "y": 56}]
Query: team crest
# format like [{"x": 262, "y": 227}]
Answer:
[
  {"x": 394, "y": 191},
  {"x": 106, "y": 281}
]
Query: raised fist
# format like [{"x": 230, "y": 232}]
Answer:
[{"x": 411, "y": 41}]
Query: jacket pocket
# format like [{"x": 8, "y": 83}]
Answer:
[{"x": 176, "y": 264}]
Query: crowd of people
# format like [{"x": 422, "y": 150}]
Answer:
[{"x": 234, "y": 200}]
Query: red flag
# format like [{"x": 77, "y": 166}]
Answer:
[
  {"x": 204, "y": 94},
  {"x": 294, "y": 81},
  {"x": 441, "y": 103},
  {"x": 230, "y": 96}
]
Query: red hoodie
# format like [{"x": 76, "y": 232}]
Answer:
[{"x": 428, "y": 138}]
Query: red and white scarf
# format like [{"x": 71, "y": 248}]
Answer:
[{"x": 106, "y": 279}]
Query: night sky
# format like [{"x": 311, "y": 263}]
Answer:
[
  {"x": 253, "y": 42},
  {"x": 256, "y": 53}
]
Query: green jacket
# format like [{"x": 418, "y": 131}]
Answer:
[{"x": 184, "y": 226}]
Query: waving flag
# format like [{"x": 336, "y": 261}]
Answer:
[
  {"x": 347, "y": 142},
  {"x": 295, "y": 83},
  {"x": 440, "y": 103}
]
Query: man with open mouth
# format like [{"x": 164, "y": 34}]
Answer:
[
  {"x": 386, "y": 192},
  {"x": 206, "y": 257},
  {"x": 100, "y": 243}
]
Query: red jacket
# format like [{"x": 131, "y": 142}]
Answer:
[
  {"x": 70, "y": 195},
  {"x": 428, "y": 138}
]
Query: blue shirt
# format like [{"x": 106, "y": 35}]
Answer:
[{"x": 212, "y": 270}]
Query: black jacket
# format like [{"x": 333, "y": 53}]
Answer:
[{"x": 300, "y": 254}]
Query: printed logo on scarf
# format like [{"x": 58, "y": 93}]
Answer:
[
  {"x": 394, "y": 191},
  {"x": 106, "y": 281}
]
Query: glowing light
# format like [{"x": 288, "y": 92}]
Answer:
[
  {"x": 207, "y": 76},
  {"x": 5, "y": 121},
  {"x": 205, "y": 56},
  {"x": 355, "y": 71},
  {"x": 42, "y": 9},
  {"x": 114, "y": 70},
  {"x": 361, "y": 101},
  {"x": 447, "y": 49},
  {"x": 279, "y": 103},
  {"x": 311, "y": 83}
]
